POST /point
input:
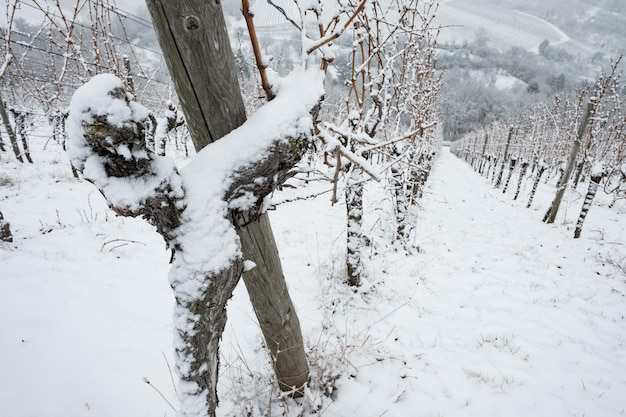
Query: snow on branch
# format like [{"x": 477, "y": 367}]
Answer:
[
  {"x": 107, "y": 144},
  {"x": 236, "y": 173},
  {"x": 233, "y": 174},
  {"x": 194, "y": 210},
  {"x": 333, "y": 143},
  {"x": 3, "y": 68}
]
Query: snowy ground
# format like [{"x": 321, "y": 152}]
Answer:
[{"x": 498, "y": 314}]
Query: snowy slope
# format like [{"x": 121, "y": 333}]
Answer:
[
  {"x": 497, "y": 314},
  {"x": 85, "y": 305},
  {"x": 505, "y": 28}
]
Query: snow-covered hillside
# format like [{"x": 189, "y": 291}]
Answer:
[
  {"x": 505, "y": 28},
  {"x": 495, "y": 314}
]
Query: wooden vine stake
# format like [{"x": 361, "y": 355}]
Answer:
[{"x": 571, "y": 162}]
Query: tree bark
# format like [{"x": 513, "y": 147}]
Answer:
[
  {"x": 20, "y": 121},
  {"x": 354, "y": 233},
  {"x": 578, "y": 175},
  {"x": 197, "y": 340},
  {"x": 160, "y": 195},
  {"x": 398, "y": 186},
  {"x": 483, "y": 157}
]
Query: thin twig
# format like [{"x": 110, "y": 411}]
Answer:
[
  {"x": 284, "y": 13},
  {"x": 336, "y": 146},
  {"x": 160, "y": 393},
  {"x": 169, "y": 368},
  {"x": 119, "y": 240},
  {"x": 336, "y": 176},
  {"x": 245, "y": 8},
  {"x": 391, "y": 141},
  {"x": 337, "y": 33}
]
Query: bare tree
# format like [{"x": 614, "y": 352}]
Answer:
[{"x": 390, "y": 110}]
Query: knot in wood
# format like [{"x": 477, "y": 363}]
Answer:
[{"x": 191, "y": 23}]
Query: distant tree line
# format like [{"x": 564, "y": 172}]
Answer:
[
  {"x": 578, "y": 136},
  {"x": 472, "y": 98}
]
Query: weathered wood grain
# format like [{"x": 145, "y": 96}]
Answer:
[{"x": 194, "y": 40}]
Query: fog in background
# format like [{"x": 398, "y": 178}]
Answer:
[{"x": 498, "y": 55}]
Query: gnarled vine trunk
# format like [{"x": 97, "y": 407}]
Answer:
[{"x": 354, "y": 233}]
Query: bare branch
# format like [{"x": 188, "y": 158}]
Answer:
[
  {"x": 337, "y": 33},
  {"x": 245, "y": 8}
]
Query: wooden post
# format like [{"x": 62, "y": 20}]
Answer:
[
  {"x": 591, "y": 193},
  {"x": 511, "y": 169},
  {"x": 483, "y": 157},
  {"x": 504, "y": 157},
  {"x": 540, "y": 171},
  {"x": 20, "y": 120},
  {"x": 571, "y": 162},
  {"x": 272, "y": 304},
  {"x": 197, "y": 51},
  {"x": 521, "y": 178},
  {"x": 193, "y": 37}
]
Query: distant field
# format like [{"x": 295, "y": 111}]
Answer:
[
  {"x": 461, "y": 20},
  {"x": 504, "y": 27}
]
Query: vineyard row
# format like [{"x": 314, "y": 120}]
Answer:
[{"x": 579, "y": 136}]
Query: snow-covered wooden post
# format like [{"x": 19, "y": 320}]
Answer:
[
  {"x": 483, "y": 156},
  {"x": 541, "y": 168},
  {"x": 598, "y": 172},
  {"x": 512, "y": 164},
  {"x": 550, "y": 215},
  {"x": 522, "y": 174},
  {"x": 505, "y": 156}
]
